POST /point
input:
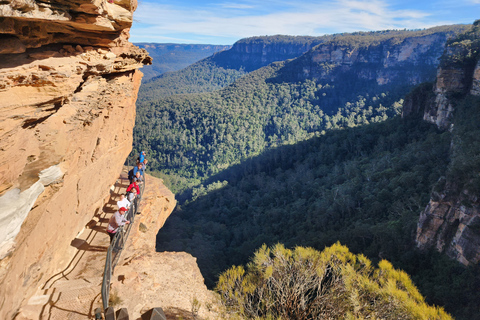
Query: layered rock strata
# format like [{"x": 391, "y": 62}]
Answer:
[
  {"x": 410, "y": 58},
  {"x": 68, "y": 85}
]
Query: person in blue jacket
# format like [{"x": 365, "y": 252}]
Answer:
[
  {"x": 138, "y": 168},
  {"x": 141, "y": 158}
]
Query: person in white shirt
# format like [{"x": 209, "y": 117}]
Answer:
[{"x": 123, "y": 202}]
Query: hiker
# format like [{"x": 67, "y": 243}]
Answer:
[
  {"x": 138, "y": 168},
  {"x": 138, "y": 177},
  {"x": 135, "y": 185},
  {"x": 141, "y": 158},
  {"x": 131, "y": 195},
  {"x": 123, "y": 202},
  {"x": 116, "y": 220}
]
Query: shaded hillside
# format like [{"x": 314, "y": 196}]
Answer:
[
  {"x": 173, "y": 56},
  {"x": 349, "y": 80},
  {"x": 361, "y": 186}
]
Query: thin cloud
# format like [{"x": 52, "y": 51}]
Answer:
[
  {"x": 223, "y": 21},
  {"x": 231, "y": 5}
]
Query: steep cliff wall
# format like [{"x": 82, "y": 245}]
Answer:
[
  {"x": 390, "y": 58},
  {"x": 253, "y": 53},
  {"x": 451, "y": 220},
  {"x": 68, "y": 85}
]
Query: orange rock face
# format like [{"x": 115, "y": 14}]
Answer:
[{"x": 68, "y": 86}]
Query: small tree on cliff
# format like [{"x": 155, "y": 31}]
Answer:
[{"x": 334, "y": 284}]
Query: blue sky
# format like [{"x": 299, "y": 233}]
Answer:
[{"x": 225, "y": 22}]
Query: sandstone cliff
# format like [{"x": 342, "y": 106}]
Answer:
[
  {"x": 256, "y": 52},
  {"x": 143, "y": 279},
  {"x": 382, "y": 58},
  {"x": 451, "y": 220},
  {"x": 68, "y": 85}
]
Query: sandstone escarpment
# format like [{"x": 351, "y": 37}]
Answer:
[
  {"x": 457, "y": 75},
  {"x": 450, "y": 222},
  {"x": 451, "y": 80},
  {"x": 254, "y": 53},
  {"x": 382, "y": 59},
  {"x": 68, "y": 85}
]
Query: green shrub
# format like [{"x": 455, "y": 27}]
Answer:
[{"x": 304, "y": 283}]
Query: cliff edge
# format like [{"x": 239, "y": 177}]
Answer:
[
  {"x": 68, "y": 86},
  {"x": 450, "y": 222}
]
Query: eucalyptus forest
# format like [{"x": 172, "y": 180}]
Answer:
[{"x": 262, "y": 155}]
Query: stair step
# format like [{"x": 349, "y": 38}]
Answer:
[
  {"x": 72, "y": 304},
  {"x": 75, "y": 284}
]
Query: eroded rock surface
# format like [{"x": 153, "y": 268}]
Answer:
[
  {"x": 451, "y": 227},
  {"x": 68, "y": 86}
]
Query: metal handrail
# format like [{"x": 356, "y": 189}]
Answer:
[{"x": 116, "y": 246}]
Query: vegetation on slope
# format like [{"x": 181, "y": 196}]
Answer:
[
  {"x": 362, "y": 186},
  {"x": 192, "y": 137},
  {"x": 200, "y": 77},
  {"x": 304, "y": 283}
]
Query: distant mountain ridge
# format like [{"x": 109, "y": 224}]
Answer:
[
  {"x": 223, "y": 68},
  {"x": 256, "y": 52},
  {"x": 173, "y": 56},
  {"x": 311, "y": 57}
]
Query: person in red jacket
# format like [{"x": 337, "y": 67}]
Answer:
[{"x": 134, "y": 184}]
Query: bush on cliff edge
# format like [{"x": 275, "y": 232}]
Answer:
[{"x": 304, "y": 283}]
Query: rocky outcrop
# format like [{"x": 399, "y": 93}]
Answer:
[
  {"x": 32, "y": 24},
  {"x": 457, "y": 75},
  {"x": 451, "y": 80},
  {"x": 68, "y": 85},
  {"x": 452, "y": 227},
  {"x": 451, "y": 221}
]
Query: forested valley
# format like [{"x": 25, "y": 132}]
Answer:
[{"x": 280, "y": 155}]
